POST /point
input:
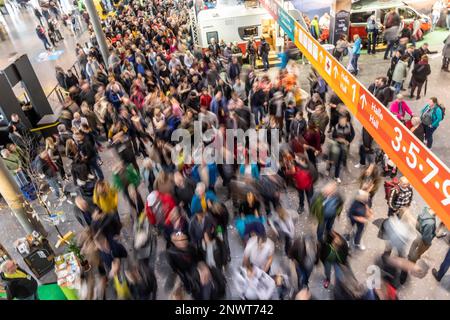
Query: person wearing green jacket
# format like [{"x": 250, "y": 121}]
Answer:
[
  {"x": 127, "y": 180},
  {"x": 431, "y": 115},
  {"x": 314, "y": 28},
  {"x": 326, "y": 206},
  {"x": 13, "y": 163}
]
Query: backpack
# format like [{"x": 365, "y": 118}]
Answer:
[
  {"x": 427, "y": 117},
  {"x": 441, "y": 106},
  {"x": 423, "y": 221},
  {"x": 389, "y": 94},
  {"x": 156, "y": 213},
  {"x": 389, "y": 186},
  {"x": 321, "y": 86}
]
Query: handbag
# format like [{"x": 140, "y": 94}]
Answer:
[{"x": 121, "y": 287}]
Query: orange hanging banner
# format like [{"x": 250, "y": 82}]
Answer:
[{"x": 426, "y": 172}]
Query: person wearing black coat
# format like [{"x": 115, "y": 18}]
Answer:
[
  {"x": 83, "y": 210},
  {"x": 243, "y": 116},
  {"x": 343, "y": 133},
  {"x": 334, "y": 113},
  {"x": 17, "y": 282},
  {"x": 234, "y": 70},
  {"x": 142, "y": 282},
  {"x": 200, "y": 223},
  {"x": 124, "y": 148},
  {"x": 182, "y": 257},
  {"x": 71, "y": 80},
  {"x": 110, "y": 252},
  {"x": 420, "y": 73},
  {"x": 61, "y": 78},
  {"x": 304, "y": 263},
  {"x": 106, "y": 224},
  {"x": 221, "y": 217},
  {"x": 225, "y": 88},
  {"x": 358, "y": 214},
  {"x": 184, "y": 191},
  {"x": 420, "y": 52},
  {"x": 89, "y": 154},
  {"x": 207, "y": 283},
  {"x": 366, "y": 152},
  {"x": 417, "y": 128},
  {"x": 382, "y": 91},
  {"x": 88, "y": 95},
  {"x": 83, "y": 177},
  {"x": 258, "y": 98},
  {"x": 394, "y": 60}
]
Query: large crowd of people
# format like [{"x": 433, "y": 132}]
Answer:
[{"x": 156, "y": 81}]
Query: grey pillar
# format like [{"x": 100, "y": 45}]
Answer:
[
  {"x": 96, "y": 24},
  {"x": 8, "y": 101},
  {"x": 16, "y": 202},
  {"x": 32, "y": 86}
]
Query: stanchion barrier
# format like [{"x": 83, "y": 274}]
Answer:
[{"x": 425, "y": 171}]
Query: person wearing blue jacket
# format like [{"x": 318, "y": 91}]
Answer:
[
  {"x": 219, "y": 107},
  {"x": 201, "y": 198},
  {"x": 212, "y": 174},
  {"x": 114, "y": 95},
  {"x": 356, "y": 52},
  {"x": 252, "y": 169},
  {"x": 431, "y": 115}
]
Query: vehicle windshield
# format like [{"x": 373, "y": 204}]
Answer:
[{"x": 361, "y": 17}]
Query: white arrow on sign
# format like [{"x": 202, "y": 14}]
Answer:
[
  {"x": 363, "y": 101},
  {"x": 336, "y": 72},
  {"x": 320, "y": 56}
]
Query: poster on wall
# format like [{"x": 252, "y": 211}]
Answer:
[{"x": 341, "y": 24}]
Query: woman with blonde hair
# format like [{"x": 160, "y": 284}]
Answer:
[
  {"x": 71, "y": 149},
  {"x": 105, "y": 197},
  {"x": 417, "y": 128}
]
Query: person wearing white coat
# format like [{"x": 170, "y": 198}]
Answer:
[{"x": 252, "y": 283}]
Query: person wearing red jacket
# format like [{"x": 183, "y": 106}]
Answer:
[
  {"x": 313, "y": 143},
  {"x": 303, "y": 180},
  {"x": 205, "y": 98},
  {"x": 158, "y": 207}
]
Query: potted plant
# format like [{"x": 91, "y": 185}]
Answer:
[{"x": 76, "y": 250}]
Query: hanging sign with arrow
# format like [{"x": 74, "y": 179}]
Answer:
[{"x": 425, "y": 171}]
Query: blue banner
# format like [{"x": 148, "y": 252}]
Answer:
[{"x": 286, "y": 22}]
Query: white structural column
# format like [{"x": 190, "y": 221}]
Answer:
[
  {"x": 97, "y": 26},
  {"x": 16, "y": 202}
]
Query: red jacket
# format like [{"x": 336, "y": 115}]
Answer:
[
  {"x": 302, "y": 178},
  {"x": 205, "y": 100},
  {"x": 168, "y": 203}
]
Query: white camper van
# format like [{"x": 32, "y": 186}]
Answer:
[
  {"x": 237, "y": 23},
  {"x": 230, "y": 24}
]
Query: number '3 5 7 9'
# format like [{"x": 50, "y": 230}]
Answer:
[{"x": 412, "y": 162}]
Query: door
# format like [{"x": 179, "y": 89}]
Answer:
[
  {"x": 212, "y": 35},
  {"x": 409, "y": 15}
]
